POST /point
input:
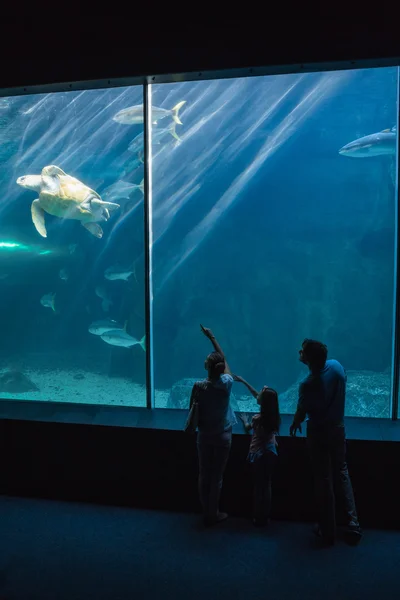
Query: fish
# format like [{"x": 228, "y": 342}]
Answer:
[
  {"x": 118, "y": 337},
  {"x": 119, "y": 189},
  {"x": 133, "y": 115},
  {"x": 15, "y": 382},
  {"x": 106, "y": 302},
  {"x": 376, "y": 144},
  {"x": 131, "y": 166},
  {"x": 122, "y": 189},
  {"x": 157, "y": 137},
  {"x": 137, "y": 144},
  {"x": 48, "y": 300},
  {"x": 72, "y": 248},
  {"x": 63, "y": 274},
  {"x": 101, "y": 327},
  {"x": 116, "y": 272},
  {"x": 139, "y": 186},
  {"x": 119, "y": 168}
]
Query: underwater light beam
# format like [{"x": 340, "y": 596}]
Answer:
[
  {"x": 114, "y": 230},
  {"x": 238, "y": 144},
  {"x": 168, "y": 209},
  {"x": 59, "y": 130},
  {"x": 283, "y": 132},
  {"x": 34, "y": 107},
  {"x": 171, "y": 207}
]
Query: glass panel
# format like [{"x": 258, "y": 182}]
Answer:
[
  {"x": 268, "y": 234},
  {"x": 72, "y": 301}
]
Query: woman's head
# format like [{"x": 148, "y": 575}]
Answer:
[
  {"x": 215, "y": 365},
  {"x": 269, "y": 409}
]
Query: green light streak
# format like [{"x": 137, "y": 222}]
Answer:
[
  {"x": 17, "y": 247},
  {"x": 10, "y": 246}
]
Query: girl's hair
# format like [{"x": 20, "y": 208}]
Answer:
[
  {"x": 215, "y": 364},
  {"x": 269, "y": 404}
]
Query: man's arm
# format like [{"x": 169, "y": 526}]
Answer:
[
  {"x": 209, "y": 334},
  {"x": 300, "y": 414}
]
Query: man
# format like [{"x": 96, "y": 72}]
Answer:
[{"x": 322, "y": 401}]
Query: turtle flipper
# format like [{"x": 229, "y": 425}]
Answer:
[
  {"x": 94, "y": 229},
  {"x": 51, "y": 178},
  {"x": 110, "y": 206},
  {"x": 52, "y": 170},
  {"x": 37, "y": 213},
  {"x": 98, "y": 208}
]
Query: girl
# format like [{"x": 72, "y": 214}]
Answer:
[{"x": 263, "y": 448}]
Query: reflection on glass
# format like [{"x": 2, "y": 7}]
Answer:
[
  {"x": 71, "y": 249},
  {"x": 273, "y": 220}
]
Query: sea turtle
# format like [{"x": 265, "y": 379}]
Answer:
[{"x": 67, "y": 198}]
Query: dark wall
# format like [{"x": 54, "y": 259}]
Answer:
[
  {"x": 158, "y": 469},
  {"x": 108, "y": 50}
]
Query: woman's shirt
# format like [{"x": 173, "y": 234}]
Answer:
[
  {"x": 215, "y": 413},
  {"x": 261, "y": 440}
]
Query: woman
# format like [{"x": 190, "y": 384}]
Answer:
[
  {"x": 214, "y": 438},
  {"x": 262, "y": 454}
]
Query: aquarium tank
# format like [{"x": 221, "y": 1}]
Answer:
[{"x": 272, "y": 208}]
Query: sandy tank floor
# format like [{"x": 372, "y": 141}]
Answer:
[{"x": 84, "y": 387}]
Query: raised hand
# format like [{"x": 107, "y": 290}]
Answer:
[{"x": 207, "y": 332}]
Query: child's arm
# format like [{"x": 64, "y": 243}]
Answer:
[
  {"x": 246, "y": 423},
  {"x": 209, "y": 334},
  {"x": 249, "y": 387}
]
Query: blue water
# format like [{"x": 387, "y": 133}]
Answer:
[{"x": 261, "y": 231}]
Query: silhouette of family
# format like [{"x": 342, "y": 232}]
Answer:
[{"x": 321, "y": 402}]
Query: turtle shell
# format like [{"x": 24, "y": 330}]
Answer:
[{"x": 62, "y": 195}]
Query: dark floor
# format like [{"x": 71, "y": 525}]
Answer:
[{"x": 56, "y": 551}]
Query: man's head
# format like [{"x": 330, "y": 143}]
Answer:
[{"x": 313, "y": 354}]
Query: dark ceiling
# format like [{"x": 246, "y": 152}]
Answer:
[{"x": 50, "y": 54}]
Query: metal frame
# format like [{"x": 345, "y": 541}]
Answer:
[
  {"x": 255, "y": 71},
  {"x": 148, "y": 244},
  {"x": 396, "y": 299}
]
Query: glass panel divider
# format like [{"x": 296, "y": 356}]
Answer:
[
  {"x": 148, "y": 235},
  {"x": 396, "y": 299}
]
